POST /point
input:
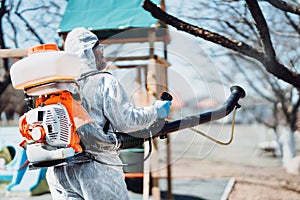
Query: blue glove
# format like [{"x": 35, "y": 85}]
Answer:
[{"x": 162, "y": 108}]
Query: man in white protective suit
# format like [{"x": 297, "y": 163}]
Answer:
[{"x": 106, "y": 101}]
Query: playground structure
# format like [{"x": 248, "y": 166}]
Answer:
[
  {"x": 137, "y": 26},
  {"x": 128, "y": 24},
  {"x": 15, "y": 171}
]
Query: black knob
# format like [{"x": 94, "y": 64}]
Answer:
[{"x": 164, "y": 96}]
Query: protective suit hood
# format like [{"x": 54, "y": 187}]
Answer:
[{"x": 81, "y": 42}]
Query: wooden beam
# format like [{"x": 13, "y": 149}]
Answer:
[
  {"x": 158, "y": 59},
  {"x": 124, "y": 66},
  {"x": 130, "y": 40},
  {"x": 130, "y": 58},
  {"x": 151, "y": 38},
  {"x": 162, "y": 61},
  {"x": 13, "y": 53},
  {"x": 125, "y": 40}
]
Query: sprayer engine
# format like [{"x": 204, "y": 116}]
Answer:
[
  {"x": 50, "y": 124},
  {"x": 50, "y": 128}
]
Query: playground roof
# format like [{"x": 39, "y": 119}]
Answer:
[{"x": 107, "y": 17}]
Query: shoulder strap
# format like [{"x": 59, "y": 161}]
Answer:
[
  {"x": 91, "y": 73},
  {"x": 106, "y": 125}
]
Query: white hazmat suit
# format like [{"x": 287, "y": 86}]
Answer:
[{"x": 104, "y": 99}]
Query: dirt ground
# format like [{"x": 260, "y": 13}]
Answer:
[
  {"x": 250, "y": 182},
  {"x": 258, "y": 175}
]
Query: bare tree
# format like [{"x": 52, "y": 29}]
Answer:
[
  {"x": 263, "y": 52},
  {"x": 281, "y": 101},
  {"x": 6, "y": 80},
  {"x": 242, "y": 27},
  {"x": 24, "y": 24}
]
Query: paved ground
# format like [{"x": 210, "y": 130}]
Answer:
[{"x": 201, "y": 169}]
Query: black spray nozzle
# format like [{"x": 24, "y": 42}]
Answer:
[{"x": 164, "y": 96}]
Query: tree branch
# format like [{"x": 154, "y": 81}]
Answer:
[
  {"x": 237, "y": 31},
  {"x": 272, "y": 65},
  {"x": 3, "y": 11},
  {"x": 262, "y": 28},
  {"x": 294, "y": 114},
  {"x": 260, "y": 120},
  {"x": 33, "y": 9},
  {"x": 30, "y": 28},
  {"x": 267, "y": 58},
  {"x": 5, "y": 82},
  {"x": 14, "y": 37},
  {"x": 235, "y": 45},
  {"x": 292, "y": 23},
  {"x": 284, "y": 6},
  {"x": 251, "y": 82}
]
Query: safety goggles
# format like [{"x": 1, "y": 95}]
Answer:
[{"x": 99, "y": 46}]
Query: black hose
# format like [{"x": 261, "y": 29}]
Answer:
[
  {"x": 128, "y": 141},
  {"x": 162, "y": 127}
]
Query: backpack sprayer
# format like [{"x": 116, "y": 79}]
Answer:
[{"x": 50, "y": 126}]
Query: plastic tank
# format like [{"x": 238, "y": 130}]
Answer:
[{"x": 45, "y": 63}]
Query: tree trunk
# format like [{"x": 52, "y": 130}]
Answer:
[
  {"x": 288, "y": 144},
  {"x": 278, "y": 150}
]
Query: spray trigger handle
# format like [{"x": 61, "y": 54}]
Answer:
[{"x": 165, "y": 96}]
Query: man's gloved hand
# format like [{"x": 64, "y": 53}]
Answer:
[{"x": 162, "y": 108}]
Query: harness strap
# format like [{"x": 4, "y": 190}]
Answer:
[
  {"x": 93, "y": 73},
  {"x": 106, "y": 125}
]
